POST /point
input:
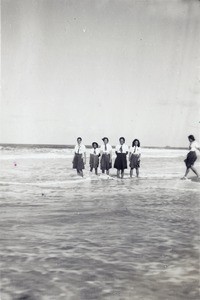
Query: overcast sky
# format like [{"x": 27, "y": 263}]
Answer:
[{"x": 100, "y": 68}]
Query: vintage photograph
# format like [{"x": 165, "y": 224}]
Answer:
[{"x": 100, "y": 150}]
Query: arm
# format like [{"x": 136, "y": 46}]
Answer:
[
  {"x": 84, "y": 159},
  {"x": 139, "y": 154},
  {"x": 74, "y": 154},
  {"x": 111, "y": 155},
  {"x": 116, "y": 150},
  {"x": 129, "y": 156},
  {"x": 127, "y": 150},
  {"x": 101, "y": 151}
]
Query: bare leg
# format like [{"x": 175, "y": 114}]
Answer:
[
  {"x": 195, "y": 171},
  {"x": 80, "y": 172},
  {"x": 137, "y": 172},
  {"x": 131, "y": 173},
  {"x": 122, "y": 173},
  {"x": 118, "y": 172},
  {"x": 107, "y": 172},
  {"x": 186, "y": 173},
  {"x": 96, "y": 171}
]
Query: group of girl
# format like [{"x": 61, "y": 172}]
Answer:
[{"x": 103, "y": 155}]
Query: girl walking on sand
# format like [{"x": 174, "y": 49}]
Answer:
[
  {"x": 134, "y": 157},
  {"x": 191, "y": 156},
  {"x": 79, "y": 159}
]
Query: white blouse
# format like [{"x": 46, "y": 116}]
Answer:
[
  {"x": 95, "y": 151},
  {"x": 194, "y": 146},
  {"x": 124, "y": 148},
  {"x": 80, "y": 149},
  {"x": 135, "y": 150},
  {"x": 106, "y": 148}
]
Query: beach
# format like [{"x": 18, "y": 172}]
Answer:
[{"x": 67, "y": 237}]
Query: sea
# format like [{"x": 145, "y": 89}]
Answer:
[{"x": 97, "y": 237}]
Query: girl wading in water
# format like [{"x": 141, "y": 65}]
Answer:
[
  {"x": 121, "y": 151},
  {"x": 94, "y": 157},
  {"x": 106, "y": 156},
  {"x": 191, "y": 156},
  {"x": 79, "y": 159},
  {"x": 134, "y": 157}
]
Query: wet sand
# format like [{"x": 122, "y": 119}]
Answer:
[{"x": 64, "y": 237}]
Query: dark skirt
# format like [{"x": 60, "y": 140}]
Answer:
[
  {"x": 190, "y": 159},
  {"x": 78, "y": 162},
  {"x": 134, "y": 161},
  {"x": 105, "y": 162},
  {"x": 94, "y": 161},
  {"x": 120, "y": 161}
]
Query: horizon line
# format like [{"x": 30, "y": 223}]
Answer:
[{"x": 62, "y": 146}]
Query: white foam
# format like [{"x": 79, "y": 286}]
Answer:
[
  {"x": 34, "y": 156},
  {"x": 43, "y": 183},
  {"x": 38, "y": 153}
]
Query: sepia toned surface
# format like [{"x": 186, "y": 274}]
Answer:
[{"x": 64, "y": 237}]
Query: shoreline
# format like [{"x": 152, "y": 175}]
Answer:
[{"x": 69, "y": 146}]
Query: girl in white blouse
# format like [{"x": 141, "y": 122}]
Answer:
[
  {"x": 121, "y": 151},
  {"x": 106, "y": 156},
  {"x": 191, "y": 156},
  {"x": 79, "y": 159},
  {"x": 94, "y": 157},
  {"x": 134, "y": 157}
]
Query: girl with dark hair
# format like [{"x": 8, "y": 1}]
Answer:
[
  {"x": 106, "y": 156},
  {"x": 79, "y": 159},
  {"x": 134, "y": 157},
  {"x": 94, "y": 157},
  {"x": 191, "y": 156},
  {"x": 121, "y": 151}
]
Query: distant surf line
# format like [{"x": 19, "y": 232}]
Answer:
[{"x": 70, "y": 146}]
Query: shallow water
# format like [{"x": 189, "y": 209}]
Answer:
[{"x": 64, "y": 237}]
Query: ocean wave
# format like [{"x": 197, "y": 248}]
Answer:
[{"x": 9, "y": 153}]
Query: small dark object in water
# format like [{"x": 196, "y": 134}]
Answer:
[{"x": 42, "y": 194}]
